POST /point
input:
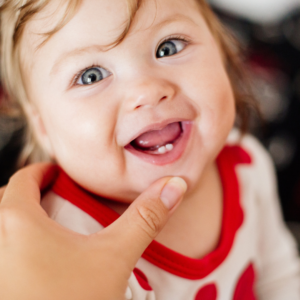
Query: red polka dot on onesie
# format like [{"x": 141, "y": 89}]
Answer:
[
  {"x": 208, "y": 292},
  {"x": 245, "y": 286},
  {"x": 142, "y": 279}
]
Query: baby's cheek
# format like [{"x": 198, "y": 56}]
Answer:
[{"x": 225, "y": 106}]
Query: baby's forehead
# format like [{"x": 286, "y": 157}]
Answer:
[
  {"x": 115, "y": 16},
  {"x": 102, "y": 22},
  {"x": 56, "y": 18}
]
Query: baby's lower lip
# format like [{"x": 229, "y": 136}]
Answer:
[{"x": 165, "y": 156}]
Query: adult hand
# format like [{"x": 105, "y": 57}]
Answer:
[{"x": 40, "y": 259}]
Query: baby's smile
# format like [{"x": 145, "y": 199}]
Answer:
[{"x": 161, "y": 143}]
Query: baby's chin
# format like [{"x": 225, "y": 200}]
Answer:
[{"x": 131, "y": 191}]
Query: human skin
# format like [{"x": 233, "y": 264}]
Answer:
[
  {"x": 39, "y": 259},
  {"x": 86, "y": 128}
]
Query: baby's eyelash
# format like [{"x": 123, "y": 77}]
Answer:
[
  {"x": 77, "y": 76},
  {"x": 175, "y": 37}
]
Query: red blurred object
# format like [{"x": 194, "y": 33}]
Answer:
[{"x": 1, "y": 94}]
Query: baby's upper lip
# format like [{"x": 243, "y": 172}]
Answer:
[{"x": 154, "y": 126}]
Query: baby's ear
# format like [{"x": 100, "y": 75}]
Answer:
[{"x": 39, "y": 130}]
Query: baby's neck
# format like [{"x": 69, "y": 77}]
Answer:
[{"x": 195, "y": 227}]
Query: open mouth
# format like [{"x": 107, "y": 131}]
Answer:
[
  {"x": 158, "y": 141},
  {"x": 161, "y": 146}
]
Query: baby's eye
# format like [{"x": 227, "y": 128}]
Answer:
[
  {"x": 170, "y": 47},
  {"x": 93, "y": 75}
]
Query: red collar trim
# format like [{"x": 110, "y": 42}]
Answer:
[{"x": 158, "y": 254}]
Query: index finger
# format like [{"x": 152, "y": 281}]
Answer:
[
  {"x": 2, "y": 190},
  {"x": 27, "y": 183}
]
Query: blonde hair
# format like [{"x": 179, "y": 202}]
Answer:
[{"x": 15, "y": 14}]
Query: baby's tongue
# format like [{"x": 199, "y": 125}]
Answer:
[{"x": 157, "y": 138}]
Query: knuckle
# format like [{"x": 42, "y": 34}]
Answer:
[
  {"x": 4, "y": 219},
  {"x": 19, "y": 176},
  {"x": 152, "y": 220},
  {"x": 15, "y": 176},
  {"x": 11, "y": 221}
]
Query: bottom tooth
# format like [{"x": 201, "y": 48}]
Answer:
[
  {"x": 169, "y": 147},
  {"x": 162, "y": 150}
]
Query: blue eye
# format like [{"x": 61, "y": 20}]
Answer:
[
  {"x": 169, "y": 48},
  {"x": 93, "y": 75}
]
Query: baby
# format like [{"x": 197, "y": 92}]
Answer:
[{"x": 121, "y": 93}]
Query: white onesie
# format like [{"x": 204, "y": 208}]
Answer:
[{"x": 256, "y": 258}]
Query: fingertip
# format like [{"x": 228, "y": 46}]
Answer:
[{"x": 179, "y": 182}]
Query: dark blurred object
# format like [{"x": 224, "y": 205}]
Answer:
[
  {"x": 273, "y": 58},
  {"x": 11, "y": 140},
  {"x": 9, "y": 151}
]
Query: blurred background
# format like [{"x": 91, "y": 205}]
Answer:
[{"x": 270, "y": 31}]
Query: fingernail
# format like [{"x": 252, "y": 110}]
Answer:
[{"x": 173, "y": 191}]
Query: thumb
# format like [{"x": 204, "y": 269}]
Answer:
[{"x": 145, "y": 217}]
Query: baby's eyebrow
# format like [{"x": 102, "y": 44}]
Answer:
[
  {"x": 174, "y": 19},
  {"x": 75, "y": 52},
  {"x": 98, "y": 48}
]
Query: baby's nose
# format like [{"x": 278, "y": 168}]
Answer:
[{"x": 148, "y": 92}]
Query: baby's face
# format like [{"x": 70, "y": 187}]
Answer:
[{"x": 158, "y": 104}]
